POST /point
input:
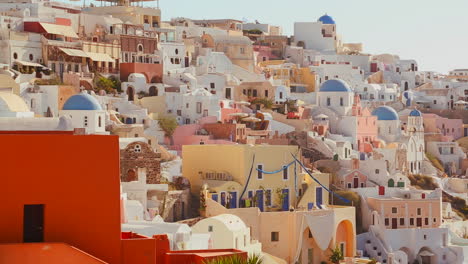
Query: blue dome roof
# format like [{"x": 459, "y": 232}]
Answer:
[
  {"x": 385, "y": 113},
  {"x": 326, "y": 19},
  {"x": 335, "y": 86},
  {"x": 415, "y": 112},
  {"x": 82, "y": 101}
]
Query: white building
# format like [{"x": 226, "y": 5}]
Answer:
[
  {"x": 228, "y": 231},
  {"x": 320, "y": 35},
  {"x": 11, "y": 105}
]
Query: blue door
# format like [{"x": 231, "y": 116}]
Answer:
[
  {"x": 310, "y": 206},
  {"x": 318, "y": 195},
  {"x": 214, "y": 197},
  {"x": 233, "y": 202},
  {"x": 285, "y": 205},
  {"x": 223, "y": 199},
  {"x": 260, "y": 199}
]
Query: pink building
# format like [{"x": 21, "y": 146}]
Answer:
[
  {"x": 452, "y": 128},
  {"x": 352, "y": 178},
  {"x": 264, "y": 53},
  {"x": 366, "y": 130}
]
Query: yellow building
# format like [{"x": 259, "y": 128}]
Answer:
[
  {"x": 299, "y": 79},
  {"x": 230, "y": 174}
]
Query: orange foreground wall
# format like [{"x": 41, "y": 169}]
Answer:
[{"x": 77, "y": 180}]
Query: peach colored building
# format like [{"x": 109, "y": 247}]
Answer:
[
  {"x": 453, "y": 128},
  {"x": 252, "y": 90},
  {"x": 298, "y": 236},
  {"x": 399, "y": 208},
  {"x": 238, "y": 49}
]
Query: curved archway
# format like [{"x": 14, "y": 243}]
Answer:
[
  {"x": 426, "y": 256},
  {"x": 132, "y": 175},
  {"x": 131, "y": 93},
  {"x": 345, "y": 237},
  {"x": 153, "y": 91},
  {"x": 156, "y": 79},
  {"x": 408, "y": 254}
]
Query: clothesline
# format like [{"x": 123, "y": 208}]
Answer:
[{"x": 323, "y": 186}]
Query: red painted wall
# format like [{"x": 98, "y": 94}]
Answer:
[
  {"x": 62, "y": 21},
  {"x": 76, "y": 178},
  {"x": 33, "y": 27},
  {"x": 150, "y": 70}
]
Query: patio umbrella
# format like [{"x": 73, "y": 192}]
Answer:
[
  {"x": 251, "y": 119},
  {"x": 242, "y": 103},
  {"x": 239, "y": 114}
]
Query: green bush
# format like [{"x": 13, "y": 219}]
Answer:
[
  {"x": 267, "y": 103},
  {"x": 422, "y": 182},
  {"x": 435, "y": 161}
]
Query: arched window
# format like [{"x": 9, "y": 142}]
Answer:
[
  {"x": 140, "y": 48},
  {"x": 131, "y": 175},
  {"x": 85, "y": 122},
  {"x": 99, "y": 121},
  {"x": 328, "y": 101},
  {"x": 176, "y": 51},
  {"x": 341, "y": 101},
  {"x": 31, "y": 57},
  {"x": 15, "y": 55}
]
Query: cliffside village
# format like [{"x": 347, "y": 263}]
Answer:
[{"x": 128, "y": 139}]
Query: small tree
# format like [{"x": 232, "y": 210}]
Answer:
[
  {"x": 102, "y": 83},
  {"x": 168, "y": 124},
  {"x": 281, "y": 196},
  {"x": 336, "y": 255}
]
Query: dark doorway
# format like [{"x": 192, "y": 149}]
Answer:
[
  {"x": 356, "y": 182},
  {"x": 33, "y": 223},
  {"x": 131, "y": 93},
  {"x": 153, "y": 91},
  {"x": 228, "y": 93},
  {"x": 394, "y": 223},
  {"x": 418, "y": 222}
]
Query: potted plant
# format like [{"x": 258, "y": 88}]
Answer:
[{"x": 336, "y": 255}]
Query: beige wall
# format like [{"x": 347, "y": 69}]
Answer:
[
  {"x": 289, "y": 226},
  {"x": 154, "y": 104}
]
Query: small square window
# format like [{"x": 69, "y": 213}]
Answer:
[
  {"x": 387, "y": 221},
  {"x": 274, "y": 236},
  {"x": 412, "y": 221},
  {"x": 377, "y": 171},
  {"x": 210, "y": 228},
  {"x": 402, "y": 221},
  {"x": 394, "y": 210}
]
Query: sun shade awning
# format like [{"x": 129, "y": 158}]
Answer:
[
  {"x": 66, "y": 31},
  {"x": 74, "y": 52},
  {"x": 28, "y": 63},
  {"x": 100, "y": 57}
]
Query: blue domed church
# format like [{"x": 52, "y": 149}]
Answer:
[
  {"x": 336, "y": 95},
  {"x": 85, "y": 112}
]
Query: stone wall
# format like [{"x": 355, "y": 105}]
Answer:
[{"x": 140, "y": 155}]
